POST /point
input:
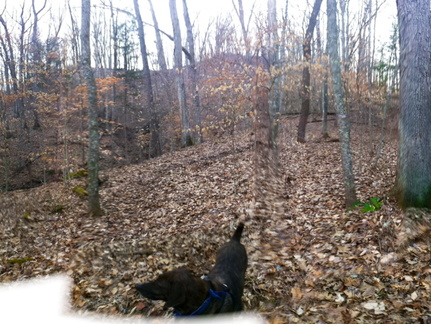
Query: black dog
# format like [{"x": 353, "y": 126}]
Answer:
[{"x": 219, "y": 292}]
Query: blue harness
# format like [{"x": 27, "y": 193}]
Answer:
[{"x": 214, "y": 295}]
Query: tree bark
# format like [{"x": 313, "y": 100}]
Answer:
[
  {"x": 186, "y": 138},
  {"x": 194, "y": 74},
  {"x": 306, "y": 48},
  {"x": 274, "y": 61},
  {"x": 94, "y": 208},
  {"x": 342, "y": 118},
  {"x": 413, "y": 179},
  {"x": 155, "y": 145}
]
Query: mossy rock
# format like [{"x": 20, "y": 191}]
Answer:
[{"x": 80, "y": 191}]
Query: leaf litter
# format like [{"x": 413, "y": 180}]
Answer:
[{"x": 333, "y": 266}]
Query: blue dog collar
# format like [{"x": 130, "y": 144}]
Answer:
[{"x": 213, "y": 295}]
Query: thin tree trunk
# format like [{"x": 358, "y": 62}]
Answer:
[
  {"x": 274, "y": 60},
  {"x": 159, "y": 44},
  {"x": 194, "y": 74},
  {"x": 306, "y": 47},
  {"x": 155, "y": 145},
  {"x": 344, "y": 6},
  {"x": 325, "y": 100},
  {"x": 36, "y": 51},
  {"x": 186, "y": 138},
  {"x": 244, "y": 28},
  {"x": 10, "y": 61},
  {"x": 283, "y": 60},
  {"x": 343, "y": 121},
  {"x": 93, "y": 125}
]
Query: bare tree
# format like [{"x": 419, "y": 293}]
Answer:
[
  {"x": 306, "y": 47},
  {"x": 94, "y": 208},
  {"x": 160, "y": 52},
  {"x": 239, "y": 9},
  {"x": 155, "y": 145},
  {"x": 345, "y": 39},
  {"x": 36, "y": 51},
  {"x": 186, "y": 138},
  {"x": 342, "y": 118},
  {"x": 74, "y": 36},
  {"x": 274, "y": 62},
  {"x": 9, "y": 58},
  {"x": 194, "y": 73}
]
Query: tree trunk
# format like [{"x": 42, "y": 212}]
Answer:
[
  {"x": 160, "y": 52},
  {"x": 283, "y": 60},
  {"x": 10, "y": 61},
  {"x": 325, "y": 100},
  {"x": 93, "y": 125},
  {"x": 264, "y": 163},
  {"x": 155, "y": 145},
  {"x": 345, "y": 23},
  {"x": 413, "y": 180},
  {"x": 306, "y": 47},
  {"x": 36, "y": 51},
  {"x": 186, "y": 138},
  {"x": 342, "y": 118},
  {"x": 194, "y": 74},
  {"x": 274, "y": 61},
  {"x": 244, "y": 28}
]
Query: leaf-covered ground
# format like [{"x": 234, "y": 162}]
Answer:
[{"x": 178, "y": 209}]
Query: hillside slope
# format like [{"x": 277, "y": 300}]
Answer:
[{"x": 178, "y": 209}]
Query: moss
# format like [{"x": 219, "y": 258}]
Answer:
[
  {"x": 80, "y": 191},
  {"x": 19, "y": 261},
  {"x": 78, "y": 174},
  {"x": 57, "y": 209}
]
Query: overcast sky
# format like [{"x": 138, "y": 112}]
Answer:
[{"x": 203, "y": 11}]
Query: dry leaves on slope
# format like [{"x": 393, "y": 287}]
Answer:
[{"x": 178, "y": 209}]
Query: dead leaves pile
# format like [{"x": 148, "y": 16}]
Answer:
[{"x": 178, "y": 209}]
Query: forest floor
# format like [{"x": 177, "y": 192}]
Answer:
[{"x": 176, "y": 210}]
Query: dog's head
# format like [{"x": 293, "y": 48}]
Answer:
[{"x": 178, "y": 288}]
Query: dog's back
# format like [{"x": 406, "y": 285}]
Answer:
[
  {"x": 230, "y": 267},
  {"x": 221, "y": 292}
]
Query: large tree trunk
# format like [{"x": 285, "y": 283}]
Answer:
[
  {"x": 413, "y": 180},
  {"x": 93, "y": 125},
  {"x": 186, "y": 138},
  {"x": 155, "y": 145},
  {"x": 306, "y": 47},
  {"x": 342, "y": 118}
]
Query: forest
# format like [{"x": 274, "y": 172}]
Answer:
[{"x": 136, "y": 135}]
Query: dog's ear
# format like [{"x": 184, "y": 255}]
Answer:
[{"x": 177, "y": 295}]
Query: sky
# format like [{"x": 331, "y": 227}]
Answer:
[{"x": 203, "y": 11}]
